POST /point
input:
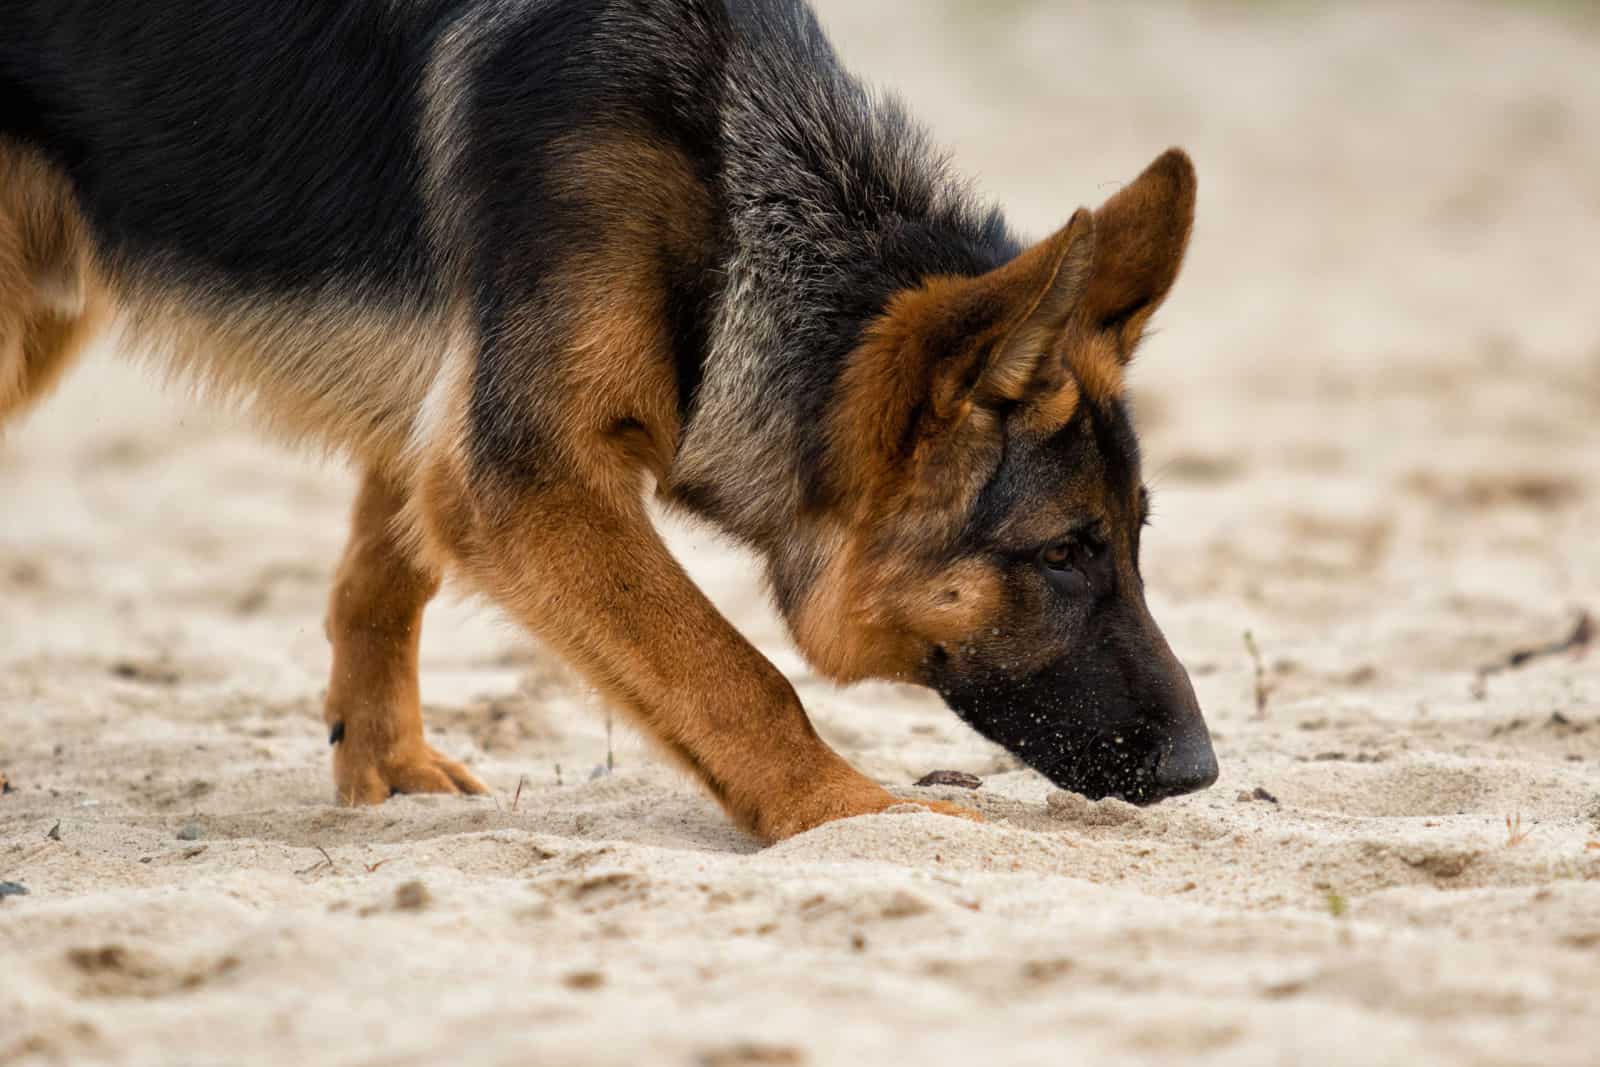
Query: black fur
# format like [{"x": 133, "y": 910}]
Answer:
[
  {"x": 647, "y": 68},
  {"x": 291, "y": 165}
]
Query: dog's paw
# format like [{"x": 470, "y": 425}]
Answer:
[
  {"x": 366, "y": 777},
  {"x": 938, "y": 807},
  {"x": 845, "y": 799}
]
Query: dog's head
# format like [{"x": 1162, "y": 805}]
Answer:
[{"x": 984, "y": 536}]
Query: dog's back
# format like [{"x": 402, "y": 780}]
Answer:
[
  {"x": 271, "y": 146},
  {"x": 246, "y": 184},
  {"x": 314, "y": 207}
]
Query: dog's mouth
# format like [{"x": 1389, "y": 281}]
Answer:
[
  {"x": 1111, "y": 765},
  {"x": 1137, "y": 765},
  {"x": 1093, "y": 739},
  {"x": 1104, "y": 769}
]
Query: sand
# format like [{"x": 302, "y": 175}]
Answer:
[{"x": 1372, "y": 418}]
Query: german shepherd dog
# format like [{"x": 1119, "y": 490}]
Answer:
[{"x": 524, "y": 260}]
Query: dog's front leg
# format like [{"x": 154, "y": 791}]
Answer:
[
  {"x": 589, "y": 574},
  {"x": 374, "y": 623}
]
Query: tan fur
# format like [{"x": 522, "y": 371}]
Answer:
[
  {"x": 374, "y": 623},
  {"x": 338, "y": 370},
  {"x": 50, "y": 296},
  {"x": 591, "y": 576},
  {"x": 877, "y": 616},
  {"x": 1055, "y": 401},
  {"x": 1096, "y": 364}
]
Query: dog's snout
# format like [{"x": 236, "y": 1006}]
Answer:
[{"x": 1189, "y": 766}]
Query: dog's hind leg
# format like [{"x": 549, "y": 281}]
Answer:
[
  {"x": 374, "y": 623},
  {"x": 47, "y": 299}
]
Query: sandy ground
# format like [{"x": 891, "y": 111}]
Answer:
[{"x": 1372, "y": 414}]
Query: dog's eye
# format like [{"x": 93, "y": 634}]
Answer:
[{"x": 1060, "y": 567}]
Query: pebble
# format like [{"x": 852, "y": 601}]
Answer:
[{"x": 959, "y": 779}]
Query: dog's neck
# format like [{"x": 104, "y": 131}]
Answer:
[{"x": 833, "y": 199}]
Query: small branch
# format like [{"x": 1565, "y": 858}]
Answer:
[
  {"x": 1263, "y": 686},
  {"x": 326, "y": 861},
  {"x": 1577, "y": 642}
]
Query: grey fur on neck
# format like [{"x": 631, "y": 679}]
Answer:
[{"x": 834, "y": 198}]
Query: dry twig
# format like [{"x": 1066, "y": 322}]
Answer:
[
  {"x": 1263, "y": 686},
  {"x": 1577, "y": 643},
  {"x": 326, "y": 861}
]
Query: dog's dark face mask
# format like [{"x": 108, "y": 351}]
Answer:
[
  {"x": 1072, "y": 674},
  {"x": 1121, "y": 721}
]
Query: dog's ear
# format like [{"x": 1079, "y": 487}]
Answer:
[
  {"x": 985, "y": 338},
  {"x": 1141, "y": 234},
  {"x": 951, "y": 353},
  {"x": 1035, "y": 295}
]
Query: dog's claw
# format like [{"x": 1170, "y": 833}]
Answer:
[
  {"x": 422, "y": 769},
  {"x": 940, "y": 807}
]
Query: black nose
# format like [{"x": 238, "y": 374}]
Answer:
[{"x": 1189, "y": 766}]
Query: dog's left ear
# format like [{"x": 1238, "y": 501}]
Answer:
[{"x": 1141, "y": 234}]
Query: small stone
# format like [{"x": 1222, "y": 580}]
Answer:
[
  {"x": 746, "y": 1054},
  {"x": 584, "y": 981},
  {"x": 13, "y": 889},
  {"x": 412, "y": 896},
  {"x": 191, "y": 831},
  {"x": 958, "y": 779},
  {"x": 54, "y": 833},
  {"x": 903, "y": 905},
  {"x": 147, "y": 672}
]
